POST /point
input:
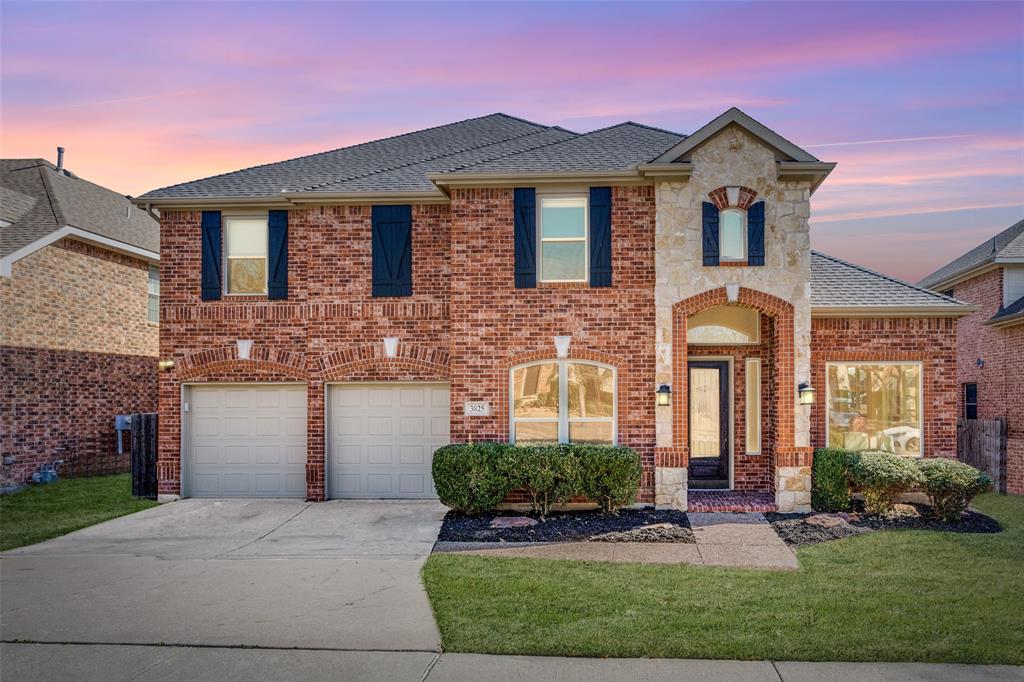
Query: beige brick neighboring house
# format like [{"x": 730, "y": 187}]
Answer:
[
  {"x": 990, "y": 341},
  {"x": 79, "y": 306}
]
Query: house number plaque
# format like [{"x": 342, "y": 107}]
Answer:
[{"x": 477, "y": 409}]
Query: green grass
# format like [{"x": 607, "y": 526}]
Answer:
[
  {"x": 887, "y": 596},
  {"x": 42, "y": 512}
]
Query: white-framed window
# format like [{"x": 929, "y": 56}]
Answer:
[
  {"x": 154, "y": 294},
  {"x": 875, "y": 406},
  {"x": 245, "y": 254},
  {"x": 732, "y": 235},
  {"x": 752, "y": 376},
  {"x": 563, "y": 401},
  {"x": 562, "y": 221},
  {"x": 724, "y": 325}
]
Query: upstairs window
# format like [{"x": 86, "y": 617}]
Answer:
[
  {"x": 154, "y": 294},
  {"x": 562, "y": 227},
  {"x": 732, "y": 235},
  {"x": 563, "y": 401},
  {"x": 246, "y": 255}
]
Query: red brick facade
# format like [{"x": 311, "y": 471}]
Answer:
[
  {"x": 76, "y": 349},
  {"x": 929, "y": 340},
  {"x": 468, "y": 325},
  {"x": 1001, "y": 351}
]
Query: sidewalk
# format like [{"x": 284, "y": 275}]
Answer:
[{"x": 27, "y": 662}]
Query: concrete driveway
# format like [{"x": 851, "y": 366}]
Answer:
[{"x": 340, "y": 575}]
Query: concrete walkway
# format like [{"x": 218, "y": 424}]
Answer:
[
  {"x": 744, "y": 540},
  {"x": 263, "y": 573},
  {"x": 30, "y": 662}
]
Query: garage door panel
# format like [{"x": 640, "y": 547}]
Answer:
[
  {"x": 247, "y": 441},
  {"x": 383, "y": 438}
]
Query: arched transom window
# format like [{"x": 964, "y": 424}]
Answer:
[
  {"x": 563, "y": 401},
  {"x": 724, "y": 325}
]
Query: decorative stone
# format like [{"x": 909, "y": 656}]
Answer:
[
  {"x": 826, "y": 520},
  {"x": 512, "y": 522}
]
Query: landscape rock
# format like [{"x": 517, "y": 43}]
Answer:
[{"x": 512, "y": 522}]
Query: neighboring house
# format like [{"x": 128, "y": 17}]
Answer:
[
  {"x": 79, "y": 305},
  {"x": 990, "y": 341},
  {"x": 334, "y": 318}
]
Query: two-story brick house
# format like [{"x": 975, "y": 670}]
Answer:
[
  {"x": 990, "y": 341},
  {"x": 79, "y": 304},
  {"x": 334, "y": 318}
]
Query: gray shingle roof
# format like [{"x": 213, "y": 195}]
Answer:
[
  {"x": 618, "y": 147},
  {"x": 331, "y": 169},
  {"x": 1007, "y": 244},
  {"x": 1013, "y": 310},
  {"x": 837, "y": 283},
  {"x": 44, "y": 201}
]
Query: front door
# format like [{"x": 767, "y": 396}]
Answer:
[{"x": 709, "y": 423}]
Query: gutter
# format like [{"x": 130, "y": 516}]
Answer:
[
  {"x": 531, "y": 178},
  {"x": 977, "y": 270},
  {"x": 7, "y": 262},
  {"x": 893, "y": 311},
  {"x": 290, "y": 199},
  {"x": 1009, "y": 320}
]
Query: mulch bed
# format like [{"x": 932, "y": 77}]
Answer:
[
  {"x": 810, "y": 529},
  {"x": 628, "y": 525}
]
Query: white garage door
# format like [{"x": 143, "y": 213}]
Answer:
[
  {"x": 383, "y": 438},
  {"x": 247, "y": 440}
]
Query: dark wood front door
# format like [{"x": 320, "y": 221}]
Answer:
[{"x": 708, "y": 386}]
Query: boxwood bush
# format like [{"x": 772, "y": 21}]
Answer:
[
  {"x": 609, "y": 475},
  {"x": 951, "y": 485},
  {"x": 881, "y": 477},
  {"x": 475, "y": 477},
  {"x": 830, "y": 485}
]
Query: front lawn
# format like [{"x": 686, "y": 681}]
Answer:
[
  {"x": 887, "y": 596},
  {"x": 41, "y": 512}
]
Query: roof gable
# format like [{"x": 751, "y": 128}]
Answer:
[
  {"x": 1008, "y": 245},
  {"x": 735, "y": 117}
]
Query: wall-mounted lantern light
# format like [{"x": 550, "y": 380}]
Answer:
[
  {"x": 806, "y": 394},
  {"x": 664, "y": 394},
  {"x": 165, "y": 364},
  {"x": 979, "y": 363}
]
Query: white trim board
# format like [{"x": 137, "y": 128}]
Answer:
[{"x": 8, "y": 261}]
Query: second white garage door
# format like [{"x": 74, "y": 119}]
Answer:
[{"x": 383, "y": 437}]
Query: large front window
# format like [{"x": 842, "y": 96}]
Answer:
[
  {"x": 562, "y": 224},
  {"x": 563, "y": 401},
  {"x": 246, "y": 250},
  {"x": 875, "y": 406}
]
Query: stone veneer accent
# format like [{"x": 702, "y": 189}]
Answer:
[
  {"x": 732, "y": 158},
  {"x": 670, "y": 487},
  {"x": 793, "y": 489}
]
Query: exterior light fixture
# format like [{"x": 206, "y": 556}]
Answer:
[
  {"x": 165, "y": 364},
  {"x": 979, "y": 363},
  {"x": 244, "y": 348},
  {"x": 562, "y": 346},
  {"x": 806, "y": 394},
  {"x": 664, "y": 394},
  {"x": 390, "y": 346}
]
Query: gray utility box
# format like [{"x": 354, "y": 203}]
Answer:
[{"x": 122, "y": 423}]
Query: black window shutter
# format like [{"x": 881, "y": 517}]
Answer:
[
  {"x": 710, "y": 234},
  {"x": 212, "y": 283},
  {"x": 277, "y": 250},
  {"x": 526, "y": 237},
  {"x": 600, "y": 236},
  {"x": 755, "y": 234},
  {"x": 392, "y": 250}
]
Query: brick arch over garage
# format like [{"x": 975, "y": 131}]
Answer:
[
  {"x": 783, "y": 351},
  {"x": 412, "y": 362},
  {"x": 223, "y": 364}
]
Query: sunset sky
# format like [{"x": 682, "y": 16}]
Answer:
[{"x": 920, "y": 103}]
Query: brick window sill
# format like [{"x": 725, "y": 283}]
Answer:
[{"x": 563, "y": 285}]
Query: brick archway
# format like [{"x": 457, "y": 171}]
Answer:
[
  {"x": 782, "y": 355},
  {"x": 411, "y": 362},
  {"x": 223, "y": 363}
]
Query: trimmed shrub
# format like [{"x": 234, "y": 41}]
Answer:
[
  {"x": 830, "y": 485},
  {"x": 549, "y": 472},
  {"x": 951, "y": 485},
  {"x": 609, "y": 475},
  {"x": 881, "y": 477},
  {"x": 473, "y": 477}
]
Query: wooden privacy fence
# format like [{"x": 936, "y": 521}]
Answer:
[
  {"x": 144, "y": 429},
  {"x": 982, "y": 444}
]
